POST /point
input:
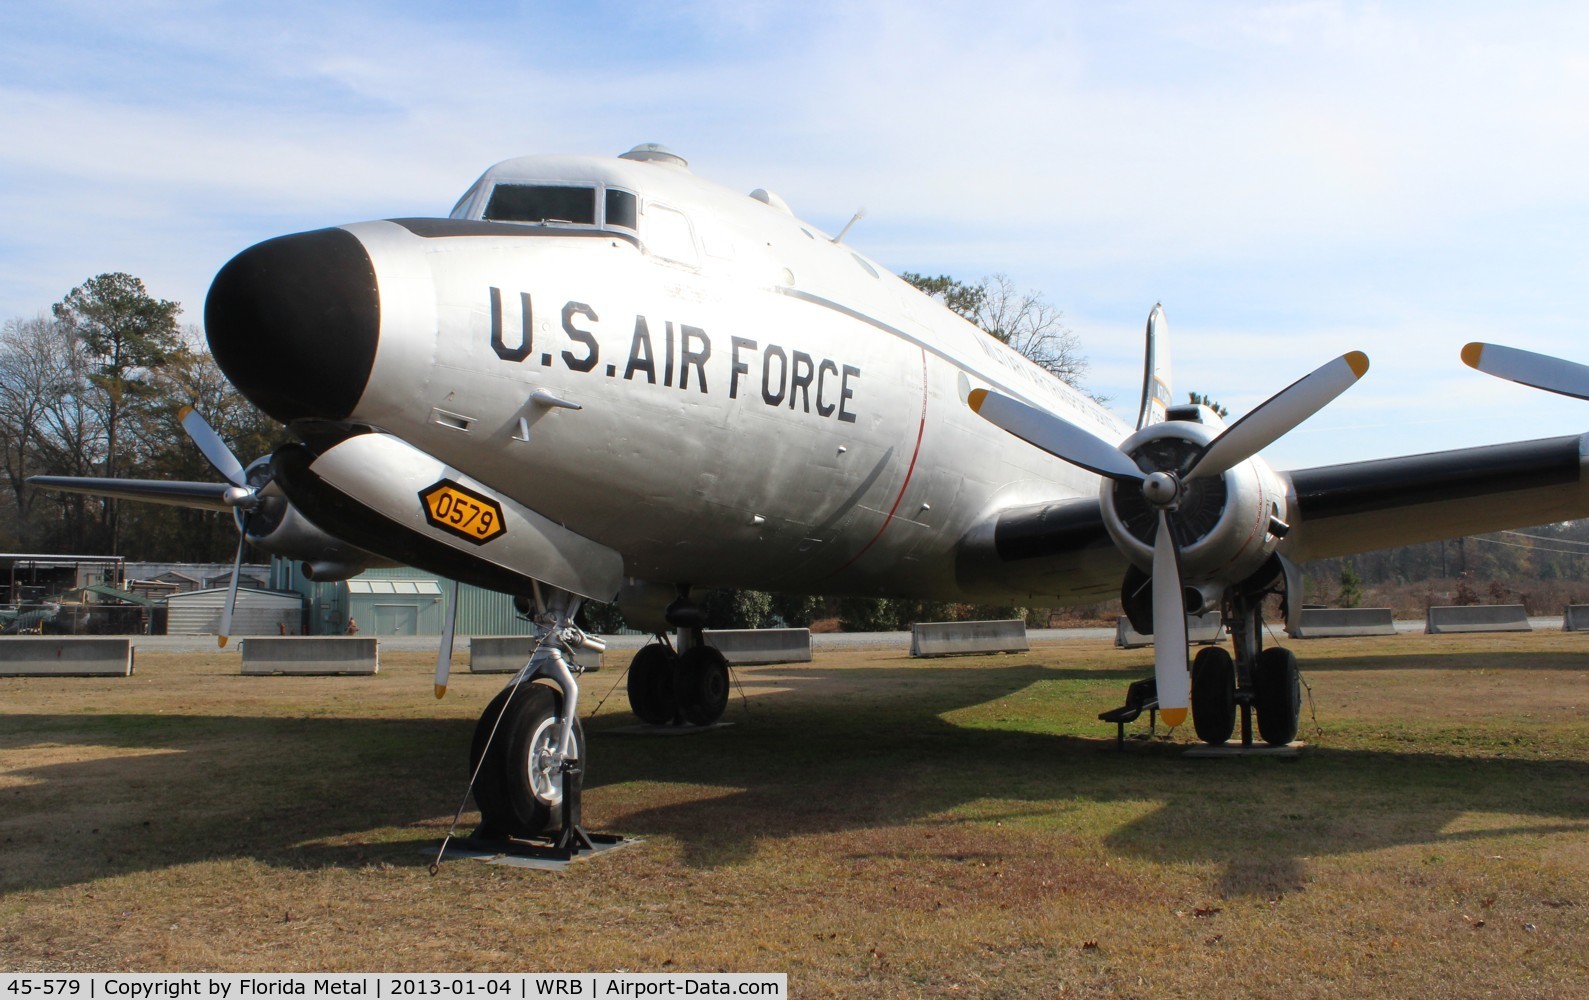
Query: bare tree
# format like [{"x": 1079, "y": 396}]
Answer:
[
  {"x": 1031, "y": 325},
  {"x": 46, "y": 422},
  {"x": 1024, "y": 320}
]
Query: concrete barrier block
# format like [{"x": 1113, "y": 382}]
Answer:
[
  {"x": 1321, "y": 623},
  {"x": 507, "y": 654},
  {"x": 1575, "y": 618},
  {"x": 1477, "y": 618},
  {"x": 1201, "y": 630},
  {"x": 747, "y": 646},
  {"x": 65, "y": 656},
  {"x": 968, "y": 638},
  {"x": 315, "y": 655}
]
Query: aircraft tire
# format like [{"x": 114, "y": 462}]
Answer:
[
  {"x": 651, "y": 685},
  {"x": 1277, "y": 695},
  {"x": 700, "y": 681},
  {"x": 517, "y": 789},
  {"x": 1213, "y": 695},
  {"x": 487, "y": 773}
]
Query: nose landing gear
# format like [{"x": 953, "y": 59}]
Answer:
[{"x": 527, "y": 758}]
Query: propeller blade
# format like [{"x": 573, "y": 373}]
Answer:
[
  {"x": 1169, "y": 628},
  {"x": 1279, "y": 414},
  {"x": 199, "y": 496},
  {"x": 1054, "y": 434},
  {"x": 213, "y": 447},
  {"x": 231, "y": 589},
  {"x": 1541, "y": 371},
  {"x": 444, "y": 653}
]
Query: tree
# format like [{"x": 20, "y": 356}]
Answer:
[
  {"x": 1198, "y": 399},
  {"x": 798, "y": 610},
  {"x": 163, "y": 450},
  {"x": 37, "y": 374},
  {"x": 737, "y": 608},
  {"x": 1351, "y": 594},
  {"x": 125, "y": 333},
  {"x": 1023, "y": 320},
  {"x": 50, "y": 427}
]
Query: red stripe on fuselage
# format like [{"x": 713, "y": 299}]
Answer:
[{"x": 921, "y": 432}]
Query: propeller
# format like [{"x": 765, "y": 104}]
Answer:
[
  {"x": 444, "y": 653},
  {"x": 1541, "y": 371},
  {"x": 240, "y": 495},
  {"x": 1163, "y": 488}
]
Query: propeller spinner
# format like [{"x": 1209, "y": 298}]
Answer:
[{"x": 1168, "y": 478}]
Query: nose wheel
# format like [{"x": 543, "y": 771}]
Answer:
[
  {"x": 520, "y": 780},
  {"x": 527, "y": 758}
]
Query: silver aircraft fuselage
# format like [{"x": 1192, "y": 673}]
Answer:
[{"x": 758, "y": 405}]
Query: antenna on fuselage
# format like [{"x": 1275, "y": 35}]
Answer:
[{"x": 860, "y": 213}]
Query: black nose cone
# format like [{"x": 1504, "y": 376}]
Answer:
[{"x": 294, "y": 323}]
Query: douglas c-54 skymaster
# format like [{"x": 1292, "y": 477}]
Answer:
[{"x": 609, "y": 379}]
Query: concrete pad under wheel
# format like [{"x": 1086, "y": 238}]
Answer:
[
  {"x": 463, "y": 852},
  {"x": 646, "y": 729},
  {"x": 1292, "y": 749}
]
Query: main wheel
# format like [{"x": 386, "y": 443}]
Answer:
[
  {"x": 1277, "y": 695},
  {"x": 1213, "y": 695},
  {"x": 519, "y": 781},
  {"x": 700, "y": 682},
  {"x": 651, "y": 685}
]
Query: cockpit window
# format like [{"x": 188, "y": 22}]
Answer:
[
  {"x": 542, "y": 203},
  {"x": 622, "y": 209},
  {"x": 668, "y": 235}
]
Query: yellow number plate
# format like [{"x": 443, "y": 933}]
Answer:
[{"x": 463, "y": 512}]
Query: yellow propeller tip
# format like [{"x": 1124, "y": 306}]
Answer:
[
  {"x": 1471, "y": 354},
  {"x": 1172, "y": 716},
  {"x": 182, "y": 414},
  {"x": 1358, "y": 361},
  {"x": 441, "y": 690},
  {"x": 976, "y": 398},
  {"x": 220, "y": 641}
]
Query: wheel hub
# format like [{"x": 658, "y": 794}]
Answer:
[{"x": 546, "y": 764}]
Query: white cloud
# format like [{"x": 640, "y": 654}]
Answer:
[{"x": 1292, "y": 179}]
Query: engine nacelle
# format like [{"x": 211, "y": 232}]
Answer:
[
  {"x": 277, "y": 527},
  {"x": 382, "y": 493},
  {"x": 1226, "y": 524},
  {"x": 322, "y": 571}
]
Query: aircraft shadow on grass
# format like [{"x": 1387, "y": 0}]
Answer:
[{"x": 826, "y": 752}]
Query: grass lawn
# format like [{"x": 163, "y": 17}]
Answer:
[{"x": 870, "y": 824}]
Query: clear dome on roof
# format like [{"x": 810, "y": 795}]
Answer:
[{"x": 655, "y": 152}]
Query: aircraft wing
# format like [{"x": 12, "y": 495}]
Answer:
[
  {"x": 1364, "y": 506},
  {"x": 207, "y": 496}
]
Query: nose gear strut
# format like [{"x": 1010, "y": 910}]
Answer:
[{"x": 527, "y": 759}]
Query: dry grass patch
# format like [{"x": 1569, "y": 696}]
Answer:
[{"x": 871, "y": 824}]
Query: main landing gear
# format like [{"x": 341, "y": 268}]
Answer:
[
  {"x": 1255, "y": 679},
  {"x": 1225, "y": 687},
  {"x": 528, "y": 752},
  {"x": 689, "y": 686},
  {"x": 686, "y": 687}
]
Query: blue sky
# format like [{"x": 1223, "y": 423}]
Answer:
[{"x": 1291, "y": 180}]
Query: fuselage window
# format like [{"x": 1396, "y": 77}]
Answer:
[
  {"x": 542, "y": 203},
  {"x": 667, "y": 235},
  {"x": 622, "y": 209}
]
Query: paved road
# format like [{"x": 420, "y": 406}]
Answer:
[{"x": 825, "y": 640}]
